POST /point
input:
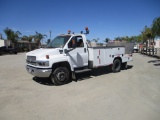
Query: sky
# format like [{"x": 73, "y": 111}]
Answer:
[{"x": 104, "y": 18}]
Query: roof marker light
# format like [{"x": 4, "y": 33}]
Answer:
[
  {"x": 69, "y": 31},
  {"x": 87, "y": 30}
]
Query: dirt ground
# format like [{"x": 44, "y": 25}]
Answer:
[{"x": 132, "y": 94}]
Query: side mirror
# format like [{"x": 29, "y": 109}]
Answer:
[
  {"x": 61, "y": 51},
  {"x": 65, "y": 50}
]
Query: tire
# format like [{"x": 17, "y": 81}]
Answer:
[
  {"x": 11, "y": 52},
  {"x": 15, "y": 52},
  {"x": 60, "y": 76},
  {"x": 116, "y": 67},
  {"x": 124, "y": 66}
]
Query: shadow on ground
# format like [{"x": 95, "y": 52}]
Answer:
[
  {"x": 156, "y": 62},
  {"x": 80, "y": 76},
  {"x": 43, "y": 81}
]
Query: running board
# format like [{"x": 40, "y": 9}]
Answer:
[{"x": 81, "y": 71}]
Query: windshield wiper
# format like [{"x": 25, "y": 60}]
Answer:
[{"x": 50, "y": 47}]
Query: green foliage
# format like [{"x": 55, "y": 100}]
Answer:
[
  {"x": 29, "y": 39},
  {"x": 12, "y": 35},
  {"x": 39, "y": 37},
  {"x": 147, "y": 33},
  {"x": 96, "y": 40},
  {"x": 156, "y": 27},
  {"x": 107, "y": 40},
  {"x": 129, "y": 39}
]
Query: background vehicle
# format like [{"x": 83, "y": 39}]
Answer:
[
  {"x": 136, "y": 48},
  {"x": 4, "y": 49},
  {"x": 157, "y": 48}
]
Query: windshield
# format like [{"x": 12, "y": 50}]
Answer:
[{"x": 58, "y": 41}]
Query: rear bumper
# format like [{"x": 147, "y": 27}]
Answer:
[{"x": 39, "y": 72}]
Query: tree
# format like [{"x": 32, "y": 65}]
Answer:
[
  {"x": 12, "y": 36},
  {"x": 118, "y": 38},
  {"x": 133, "y": 38},
  {"x": 39, "y": 37},
  {"x": 126, "y": 38},
  {"x": 96, "y": 40},
  {"x": 29, "y": 39},
  {"x": 156, "y": 27},
  {"x": 139, "y": 38},
  {"x": 155, "y": 30},
  {"x": 148, "y": 35},
  {"x": 107, "y": 40}
]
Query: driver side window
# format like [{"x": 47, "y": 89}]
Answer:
[
  {"x": 76, "y": 42},
  {"x": 72, "y": 43}
]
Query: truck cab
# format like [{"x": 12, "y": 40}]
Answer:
[{"x": 76, "y": 50}]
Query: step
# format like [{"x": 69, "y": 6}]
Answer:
[{"x": 81, "y": 71}]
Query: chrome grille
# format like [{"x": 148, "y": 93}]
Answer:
[{"x": 31, "y": 60}]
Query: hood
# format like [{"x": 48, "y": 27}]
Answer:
[{"x": 40, "y": 53}]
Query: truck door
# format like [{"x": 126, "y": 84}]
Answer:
[{"x": 78, "y": 52}]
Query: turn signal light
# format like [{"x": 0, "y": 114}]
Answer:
[{"x": 47, "y": 56}]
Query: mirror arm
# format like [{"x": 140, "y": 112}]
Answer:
[{"x": 66, "y": 51}]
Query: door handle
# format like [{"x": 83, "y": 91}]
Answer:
[{"x": 85, "y": 50}]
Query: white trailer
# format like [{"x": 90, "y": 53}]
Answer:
[
  {"x": 2, "y": 43},
  {"x": 4, "y": 47},
  {"x": 136, "y": 48},
  {"x": 157, "y": 48},
  {"x": 69, "y": 54}
]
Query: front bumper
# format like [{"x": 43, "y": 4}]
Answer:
[{"x": 39, "y": 72}]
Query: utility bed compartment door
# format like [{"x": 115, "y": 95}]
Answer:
[
  {"x": 100, "y": 57},
  {"x": 104, "y": 56}
]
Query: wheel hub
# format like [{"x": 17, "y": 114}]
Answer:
[{"x": 61, "y": 76}]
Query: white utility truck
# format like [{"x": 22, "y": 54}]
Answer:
[
  {"x": 136, "y": 48},
  {"x": 68, "y": 54}
]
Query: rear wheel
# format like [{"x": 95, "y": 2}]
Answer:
[
  {"x": 11, "y": 52},
  {"x": 60, "y": 76},
  {"x": 116, "y": 67}
]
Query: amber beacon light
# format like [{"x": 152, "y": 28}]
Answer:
[{"x": 87, "y": 30}]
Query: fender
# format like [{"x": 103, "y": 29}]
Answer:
[{"x": 60, "y": 59}]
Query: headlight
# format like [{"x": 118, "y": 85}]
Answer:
[{"x": 42, "y": 63}]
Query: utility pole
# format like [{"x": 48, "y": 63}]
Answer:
[{"x": 50, "y": 32}]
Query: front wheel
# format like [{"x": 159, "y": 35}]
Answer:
[
  {"x": 116, "y": 67},
  {"x": 124, "y": 66},
  {"x": 60, "y": 76}
]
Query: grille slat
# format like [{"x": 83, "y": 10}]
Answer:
[{"x": 31, "y": 60}]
